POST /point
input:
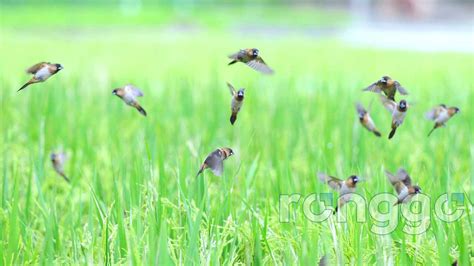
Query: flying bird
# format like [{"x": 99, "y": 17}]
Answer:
[
  {"x": 41, "y": 72},
  {"x": 366, "y": 120},
  {"x": 398, "y": 112},
  {"x": 58, "y": 160},
  {"x": 237, "y": 101},
  {"x": 401, "y": 181},
  {"x": 215, "y": 161},
  {"x": 129, "y": 95},
  {"x": 440, "y": 115},
  {"x": 344, "y": 187},
  {"x": 251, "y": 58},
  {"x": 388, "y": 86}
]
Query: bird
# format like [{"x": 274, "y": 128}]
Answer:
[
  {"x": 366, "y": 120},
  {"x": 215, "y": 161},
  {"x": 398, "y": 112},
  {"x": 344, "y": 187},
  {"x": 440, "y": 115},
  {"x": 251, "y": 58},
  {"x": 41, "y": 72},
  {"x": 388, "y": 86},
  {"x": 237, "y": 101},
  {"x": 129, "y": 94},
  {"x": 58, "y": 159},
  {"x": 401, "y": 181}
]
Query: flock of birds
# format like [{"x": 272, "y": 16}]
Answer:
[{"x": 386, "y": 87}]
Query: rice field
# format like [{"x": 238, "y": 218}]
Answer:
[{"x": 134, "y": 197}]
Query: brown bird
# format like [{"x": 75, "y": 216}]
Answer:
[
  {"x": 129, "y": 95},
  {"x": 215, "y": 161},
  {"x": 388, "y": 86},
  {"x": 41, "y": 72},
  {"x": 366, "y": 120},
  {"x": 344, "y": 187},
  {"x": 58, "y": 160},
  {"x": 251, "y": 58},
  {"x": 401, "y": 181},
  {"x": 440, "y": 115},
  {"x": 237, "y": 101},
  {"x": 398, "y": 112}
]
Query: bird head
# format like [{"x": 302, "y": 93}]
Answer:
[
  {"x": 114, "y": 92},
  {"x": 417, "y": 189},
  {"x": 240, "y": 93},
  {"x": 59, "y": 67},
  {"x": 456, "y": 110},
  {"x": 384, "y": 79},
  {"x": 228, "y": 152},
  {"x": 403, "y": 105},
  {"x": 354, "y": 179},
  {"x": 255, "y": 52}
]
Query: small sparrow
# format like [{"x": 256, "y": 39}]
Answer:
[
  {"x": 215, "y": 161},
  {"x": 251, "y": 58},
  {"x": 401, "y": 181},
  {"x": 440, "y": 115},
  {"x": 345, "y": 188},
  {"x": 237, "y": 101},
  {"x": 366, "y": 120},
  {"x": 58, "y": 160},
  {"x": 129, "y": 95},
  {"x": 41, "y": 72},
  {"x": 388, "y": 86},
  {"x": 398, "y": 111}
]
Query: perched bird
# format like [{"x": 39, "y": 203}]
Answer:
[
  {"x": 58, "y": 160},
  {"x": 215, "y": 161},
  {"x": 252, "y": 59},
  {"x": 398, "y": 111},
  {"x": 401, "y": 181},
  {"x": 388, "y": 86},
  {"x": 440, "y": 115},
  {"x": 344, "y": 187},
  {"x": 366, "y": 120},
  {"x": 237, "y": 101},
  {"x": 129, "y": 95},
  {"x": 41, "y": 72}
]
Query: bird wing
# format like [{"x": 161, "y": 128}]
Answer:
[
  {"x": 390, "y": 105},
  {"x": 400, "y": 89},
  {"x": 33, "y": 69},
  {"x": 391, "y": 177},
  {"x": 435, "y": 112},
  {"x": 215, "y": 162},
  {"x": 402, "y": 190},
  {"x": 260, "y": 65},
  {"x": 231, "y": 89},
  {"x": 360, "y": 109},
  {"x": 403, "y": 176},
  {"x": 133, "y": 90},
  {"x": 235, "y": 56},
  {"x": 332, "y": 181},
  {"x": 374, "y": 87}
]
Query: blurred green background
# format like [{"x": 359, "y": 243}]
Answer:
[{"x": 134, "y": 197}]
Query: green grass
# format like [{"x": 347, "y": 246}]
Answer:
[{"x": 134, "y": 197}]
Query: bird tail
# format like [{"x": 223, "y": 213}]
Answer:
[
  {"x": 232, "y": 62},
  {"x": 435, "y": 127},
  {"x": 233, "y": 117},
  {"x": 377, "y": 133},
  {"x": 65, "y": 177},
  {"x": 140, "y": 109},
  {"x": 392, "y": 133},
  {"x": 200, "y": 171},
  {"x": 31, "y": 81}
]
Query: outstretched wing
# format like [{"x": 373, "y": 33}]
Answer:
[
  {"x": 390, "y": 105},
  {"x": 133, "y": 90},
  {"x": 332, "y": 181},
  {"x": 33, "y": 69},
  {"x": 260, "y": 65},
  {"x": 215, "y": 162},
  {"x": 236, "y": 55},
  {"x": 374, "y": 87},
  {"x": 231, "y": 89},
  {"x": 403, "y": 176},
  {"x": 400, "y": 89},
  {"x": 434, "y": 113}
]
